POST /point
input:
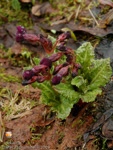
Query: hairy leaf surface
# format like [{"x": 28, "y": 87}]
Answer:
[
  {"x": 85, "y": 86},
  {"x": 85, "y": 55},
  {"x": 100, "y": 73},
  {"x": 80, "y": 83},
  {"x": 91, "y": 95},
  {"x": 64, "y": 108},
  {"x": 67, "y": 91}
]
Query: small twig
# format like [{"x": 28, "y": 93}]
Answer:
[
  {"x": 2, "y": 128},
  {"x": 55, "y": 45},
  {"x": 77, "y": 12},
  {"x": 93, "y": 17}
]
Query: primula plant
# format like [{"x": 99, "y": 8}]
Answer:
[{"x": 65, "y": 76}]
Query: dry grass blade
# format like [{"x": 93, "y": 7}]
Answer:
[
  {"x": 77, "y": 12},
  {"x": 15, "y": 105},
  {"x": 94, "y": 17},
  {"x": 2, "y": 128}
]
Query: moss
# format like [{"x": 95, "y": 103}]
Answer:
[
  {"x": 61, "y": 136},
  {"x": 80, "y": 122},
  {"x": 24, "y": 58},
  {"x": 9, "y": 78},
  {"x": 8, "y": 14}
]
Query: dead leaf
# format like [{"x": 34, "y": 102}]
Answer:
[
  {"x": 41, "y": 9},
  {"x": 74, "y": 27},
  {"x": 26, "y": 1},
  {"x": 103, "y": 118},
  {"x": 21, "y": 127},
  {"x": 58, "y": 22},
  {"x": 108, "y": 17},
  {"x": 2, "y": 128},
  {"x": 11, "y": 29},
  {"x": 16, "y": 49},
  {"x": 106, "y": 2},
  {"x": 107, "y": 129}
]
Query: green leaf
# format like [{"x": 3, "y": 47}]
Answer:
[
  {"x": 79, "y": 1},
  {"x": 36, "y": 60},
  {"x": 27, "y": 68},
  {"x": 33, "y": 2},
  {"x": 63, "y": 109},
  {"x": 53, "y": 31},
  {"x": 61, "y": 100},
  {"x": 49, "y": 98},
  {"x": 67, "y": 91},
  {"x": 26, "y": 54},
  {"x": 16, "y": 5},
  {"x": 48, "y": 95},
  {"x": 80, "y": 83},
  {"x": 60, "y": 104},
  {"x": 85, "y": 55},
  {"x": 91, "y": 95},
  {"x": 92, "y": 75},
  {"x": 53, "y": 40},
  {"x": 100, "y": 73}
]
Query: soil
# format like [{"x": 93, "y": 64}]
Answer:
[{"x": 34, "y": 126}]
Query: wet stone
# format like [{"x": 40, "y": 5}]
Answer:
[
  {"x": 105, "y": 49},
  {"x": 107, "y": 129},
  {"x": 109, "y": 91}
]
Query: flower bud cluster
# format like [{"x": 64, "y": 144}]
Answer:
[
  {"x": 22, "y": 35},
  {"x": 42, "y": 72}
]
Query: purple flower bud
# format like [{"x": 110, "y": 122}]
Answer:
[
  {"x": 56, "y": 79},
  {"x": 63, "y": 43},
  {"x": 69, "y": 58},
  {"x": 19, "y": 37},
  {"x": 46, "y": 43},
  {"x": 20, "y": 32},
  {"x": 63, "y": 71},
  {"x": 25, "y": 82},
  {"x": 78, "y": 66},
  {"x": 65, "y": 64},
  {"x": 61, "y": 48},
  {"x": 46, "y": 62},
  {"x": 28, "y": 74},
  {"x": 41, "y": 79},
  {"x": 50, "y": 45},
  {"x": 38, "y": 69},
  {"x": 30, "y": 37},
  {"x": 68, "y": 34},
  {"x": 55, "y": 57},
  {"x": 42, "y": 38},
  {"x": 64, "y": 36},
  {"x": 32, "y": 80},
  {"x": 69, "y": 50},
  {"x": 74, "y": 72},
  {"x": 57, "y": 68}
]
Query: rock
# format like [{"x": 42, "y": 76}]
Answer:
[{"x": 107, "y": 129}]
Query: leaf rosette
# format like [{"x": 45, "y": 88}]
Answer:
[{"x": 92, "y": 76}]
